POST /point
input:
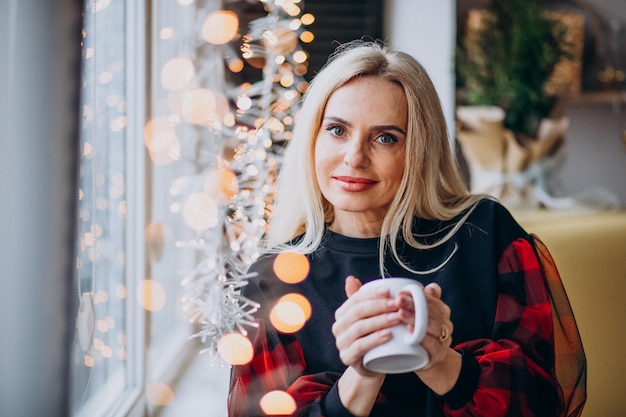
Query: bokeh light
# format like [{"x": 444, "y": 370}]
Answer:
[
  {"x": 235, "y": 349},
  {"x": 291, "y": 267},
  {"x": 278, "y": 403},
  {"x": 300, "y": 57},
  {"x": 199, "y": 106},
  {"x": 307, "y": 36},
  {"x": 159, "y": 394},
  {"x": 299, "y": 300},
  {"x": 287, "y": 316},
  {"x": 177, "y": 73},
  {"x": 151, "y": 295},
  {"x": 221, "y": 183},
  {"x": 200, "y": 211},
  {"x": 164, "y": 148},
  {"x": 307, "y": 19},
  {"x": 153, "y": 127},
  {"x": 220, "y": 27},
  {"x": 280, "y": 40},
  {"x": 156, "y": 235}
]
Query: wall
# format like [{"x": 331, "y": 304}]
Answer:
[
  {"x": 595, "y": 154},
  {"x": 426, "y": 29},
  {"x": 39, "y": 73}
]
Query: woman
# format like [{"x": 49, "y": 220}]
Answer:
[{"x": 369, "y": 189}]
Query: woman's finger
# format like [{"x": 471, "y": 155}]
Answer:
[
  {"x": 433, "y": 289},
  {"x": 352, "y": 285}
]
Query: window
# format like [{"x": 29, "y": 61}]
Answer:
[
  {"x": 169, "y": 105},
  {"x": 103, "y": 368}
]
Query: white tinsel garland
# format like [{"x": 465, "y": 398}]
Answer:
[{"x": 212, "y": 289}]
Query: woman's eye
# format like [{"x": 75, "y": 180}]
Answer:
[
  {"x": 336, "y": 130},
  {"x": 387, "y": 138}
]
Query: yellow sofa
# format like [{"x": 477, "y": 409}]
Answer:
[{"x": 590, "y": 253}]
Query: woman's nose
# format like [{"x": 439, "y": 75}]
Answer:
[{"x": 356, "y": 155}]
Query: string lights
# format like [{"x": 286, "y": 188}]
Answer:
[{"x": 239, "y": 131}]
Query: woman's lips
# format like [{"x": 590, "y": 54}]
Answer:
[{"x": 355, "y": 183}]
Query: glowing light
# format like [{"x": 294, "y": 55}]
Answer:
[
  {"x": 198, "y": 106},
  {"x": 278, "y": 403},
  {"x": 102, "y": 326},
  {"x": 87, "y": 149},
  {"x": 159, "y": 394},
  {"x": 166, "y": 33},
  {"x": 177, "y": 73},
  {"x": 295, "y": 24},
  {"x": 229, "y": 120},
  {"x": 105, "y": 77},
  {"x": 88, "y": 361},
  {"x": 291, "y": 267},
  {"x": 120, "y": 292},
  {"x": 294, "y": 11},
  {"x": 235, "y": 349},
  {"x": 286, "y": 80},
  {"x": 301, "y": 301},
  {"x": 307, "y": 19},
  {"x": 151, "y": 295},
  {"x": 244, "y": 103},
  {"x": 200, "y": 211},
  {"x": 280, "y": 40},
  {"x": 118, "y": 123},
  {"x": 106, "y": 351},
  {"x": 235, "y": 65},
  {"x": 221, "y": 183},
  {"x": 156, "y": 235},
  {"x": 164, "y": 148},
  {"x": 307, "y": 37},
  {"x": 155, "y": 126},
  {"x": 287, "y": 316},
  {"x": 300, "y": 57},
  {"x": 220, "y": 27}
]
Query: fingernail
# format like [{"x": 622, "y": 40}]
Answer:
[
  {"x": 391, "y": 303},
  {"x": 393, "y": 316}
]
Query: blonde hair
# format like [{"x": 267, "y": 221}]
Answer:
[{"x": 431, "y": 186}]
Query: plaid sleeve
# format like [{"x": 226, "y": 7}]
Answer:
[
  {"x": 516, "y": 365},
  {"x": 570, "y": 359},
  {"x": 277, "y": 364}
]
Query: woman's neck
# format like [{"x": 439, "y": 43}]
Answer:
[{"x": 356, "y": 228}]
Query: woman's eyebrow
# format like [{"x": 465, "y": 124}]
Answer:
[
  {"x": 389, "y": 127},
  {"x": 338, "y": 120}
]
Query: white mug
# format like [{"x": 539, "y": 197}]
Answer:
[{"x": 403, "y": 352}]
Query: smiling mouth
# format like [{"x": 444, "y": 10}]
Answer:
[{"x": 355, "y": 183}]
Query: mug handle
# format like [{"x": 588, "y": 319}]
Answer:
[{"x": 419, "y": 304}]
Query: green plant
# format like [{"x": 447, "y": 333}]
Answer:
[{"x": 505, "y": 58}]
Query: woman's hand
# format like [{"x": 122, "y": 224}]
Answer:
[
  {"x": 444, "y": 365},
  {"x": 362, "y": 322},
  {"x": 438, "y": 337}
]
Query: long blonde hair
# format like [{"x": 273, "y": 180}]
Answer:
[{"x": 431, "y": 188}]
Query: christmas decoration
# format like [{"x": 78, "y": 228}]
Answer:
[{"x": 238, "y": 134}]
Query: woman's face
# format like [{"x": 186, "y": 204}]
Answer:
[{"x": 360, "y": 148}]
